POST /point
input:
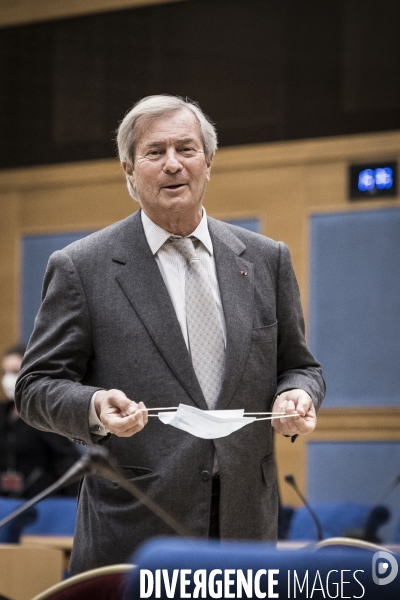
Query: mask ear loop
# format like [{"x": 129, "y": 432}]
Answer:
[
  {"x": 277, "y": 416},
  {"x": 274, "y": 415},
  {"x": 176, "y": 408}
]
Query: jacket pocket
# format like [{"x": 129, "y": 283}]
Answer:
[
  {"x": 112, "y": 494},
  {"x": 134, "y": 473},
  {"x": 265, "y": 334}
]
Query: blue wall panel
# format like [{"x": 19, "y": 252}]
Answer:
[
  {"x": 356, "y": 472},
  {"x": 36, "y": 250},
  {"x": 250, "y": 224},
  {"x": 355, "y": 305}
]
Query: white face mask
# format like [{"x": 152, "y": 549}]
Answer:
[
  {"x": 206, "y": 424},
  {"x": 8, "y": 382}
]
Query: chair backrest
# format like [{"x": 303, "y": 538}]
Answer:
[
  {"x": 336, "y": 519},
  {"x": 56, "y": 516},
  {"x": 10, "y": 534},
  {"x": 104, "y": 583},
  {"x": 250, "y": 570},
  {"x": 340, "y": 542}
]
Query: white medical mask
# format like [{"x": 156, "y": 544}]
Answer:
[
  {"x": 206, "y": 424},
  {"x": 8, "y": 382}
]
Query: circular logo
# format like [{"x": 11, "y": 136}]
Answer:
[{"x": 381, "y": 574}]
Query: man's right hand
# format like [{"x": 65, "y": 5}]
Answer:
[{"x": 118, "y": 414}]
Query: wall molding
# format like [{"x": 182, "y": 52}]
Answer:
[
  {"x": 381, "y": 145},
  {"x": 378, "y": 423}
]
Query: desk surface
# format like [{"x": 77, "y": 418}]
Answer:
[
  {"x": 65, "y": 543},
  {"x": 62, "y": 542}
]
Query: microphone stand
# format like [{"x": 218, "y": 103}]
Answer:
[
  {"x": 30, "y": 480},
  {"x": 292, "y": 482},
  {"x": 98, "y": 460}
]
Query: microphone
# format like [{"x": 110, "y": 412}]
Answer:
[
  {"x": 378, "y": 515},
  {"x": 292, "y": 482},
  {"x": 98, "y": 460}
]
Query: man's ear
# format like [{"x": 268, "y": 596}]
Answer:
[
  {"x": 209, "y": 161},
  {"x": 127, "y": 167},
  {"x": 129, "y": 172}
]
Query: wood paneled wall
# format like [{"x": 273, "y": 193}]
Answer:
[{"x": 281, "y": 184}]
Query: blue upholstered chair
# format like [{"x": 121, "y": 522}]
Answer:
[
  {"x": 336, "y": 518},
  {"x": 227, "y": 563},
  {"x": 10, "y": 534},
  {"x": 56, "y": 516}
]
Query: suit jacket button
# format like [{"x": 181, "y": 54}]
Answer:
[{"x": 205, "y": 475}]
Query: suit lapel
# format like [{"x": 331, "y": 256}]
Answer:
[
  {"x": 235, "y": 278},
  {"x": 142, "y": 283}
]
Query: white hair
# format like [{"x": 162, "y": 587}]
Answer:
[{"x": 151, "y": 108}]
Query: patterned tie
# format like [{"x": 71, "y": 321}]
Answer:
[{"x": 206, "y": 344}]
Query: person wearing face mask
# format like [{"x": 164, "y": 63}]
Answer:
[{"x": 30, "y": 459}]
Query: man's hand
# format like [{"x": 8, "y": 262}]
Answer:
[
  {"x": 121, "y": 416},
  {"x": 291, "y": 402}
]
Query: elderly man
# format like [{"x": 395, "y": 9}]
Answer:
[{"x": 166, "y": 307}]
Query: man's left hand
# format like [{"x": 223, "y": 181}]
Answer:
[{"x": 292, "y": 402}]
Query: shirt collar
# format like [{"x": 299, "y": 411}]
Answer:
[{"x": 157, "y": 236}]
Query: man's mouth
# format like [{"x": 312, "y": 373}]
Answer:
[{"x": 173, "y": 187}]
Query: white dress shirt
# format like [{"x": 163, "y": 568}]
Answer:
[{"x": 173, "y": 265}]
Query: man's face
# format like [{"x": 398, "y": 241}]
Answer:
[{"x": 170, "y": 171}]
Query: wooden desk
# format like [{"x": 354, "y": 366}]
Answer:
[
  {"x": 58, "y": 542},
  {"x": 26, "y": 571},
  {"x": 49, "y": 541}
]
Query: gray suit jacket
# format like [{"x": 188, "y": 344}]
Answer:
[{"x": 107, "y": 321}]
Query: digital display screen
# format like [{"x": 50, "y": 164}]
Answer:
[{"x": 373, "y": 180}]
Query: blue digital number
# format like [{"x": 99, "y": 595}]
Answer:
[
  {"x": 384, "y": 178},
  {"x": 366, "y": 180},
  {"x": 381, "y": 178}
]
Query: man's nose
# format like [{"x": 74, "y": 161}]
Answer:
[{"x": 172, "y": 163}]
